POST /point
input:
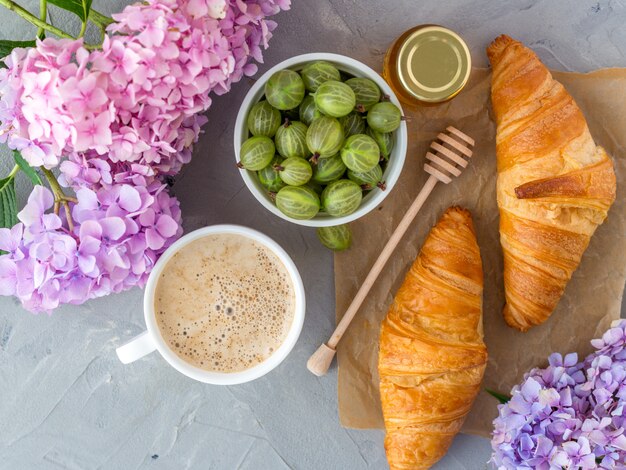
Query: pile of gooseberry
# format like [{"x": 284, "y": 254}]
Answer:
[{"x": 319, "y": 140}]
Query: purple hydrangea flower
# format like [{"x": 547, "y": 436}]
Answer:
[{"x": 570, "y": 415}]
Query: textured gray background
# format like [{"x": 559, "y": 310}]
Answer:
[{"x": 65, "y": 400}]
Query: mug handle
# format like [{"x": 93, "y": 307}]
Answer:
[{"x": 136, "y": 348}]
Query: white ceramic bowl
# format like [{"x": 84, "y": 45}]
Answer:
[{"x": 396, "y": 160}]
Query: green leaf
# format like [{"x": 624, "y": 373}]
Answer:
[
  {"x": 26, "y": 168},
  {"x": 7, "y": 46},
  {"x": 8, "y": 203},
  {"x": 79, "y": 7},
  {"x": 501, "y": 397}
]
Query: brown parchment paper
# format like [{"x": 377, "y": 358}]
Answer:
[{"x": 592, "y": 298}]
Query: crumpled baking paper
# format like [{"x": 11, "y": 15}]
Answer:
[{"x": 592, "y": 298}]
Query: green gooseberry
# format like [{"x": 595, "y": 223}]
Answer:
[
  {"x": 384, "y": 141},
  {"x": 341, "y": 197},
  {"x": 294, "y": 171},
  {"x": 384, "y": 117},
  {"x": 315, "y": 186},
  {"x": 368, "y": 179},
  {"x": 269, "y": 177},
  {"x": 336, "y": 238},
  {"x": 366, "y": 92},
  {"x": 308, "y": 112},
  {"x": 256, "y": 153},
  {"x": 328, "y": 169},
  {"x": 335, "y": 99},
  {"x": 298, "y": 202},
  {"x": 353, "y": 123},
  {"x": 291, "y": 139},
  {"x": 360, "y": 153},
  {"x": 263, "y": 119},
  {"x": 324, "y": 137},
  {"x": 316, "y": 73},
  {"x": 284, "y": 90}
]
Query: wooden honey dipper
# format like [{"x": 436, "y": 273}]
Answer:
[{"x": 449, "y": 154}]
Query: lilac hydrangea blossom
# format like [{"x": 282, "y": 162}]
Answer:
[
  {"x": 116, "y": 121},
  {"x": 120, "y": 232},
  {"x": 569, "y": 415}
]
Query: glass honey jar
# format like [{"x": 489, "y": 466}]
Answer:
[{"x": 428, "y": 64}]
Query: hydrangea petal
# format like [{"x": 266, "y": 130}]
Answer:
[
  {"x": 166, "y": 226},
  {"x": 129, "y": 198},
  {"x": 153, "y": 239},
  {"x": 112, "y": 227},
  {"x": 8, "y": 276}
]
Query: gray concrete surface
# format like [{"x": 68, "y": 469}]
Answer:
[{"x": 65, "y": 400}]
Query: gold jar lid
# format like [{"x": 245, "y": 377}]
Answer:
[{"x": 433, "y": 63}]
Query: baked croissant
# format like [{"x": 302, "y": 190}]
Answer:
[
  {"x": 432, "y": 356},
  {"x": 555, "y": 186}
]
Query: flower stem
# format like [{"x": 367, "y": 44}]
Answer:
[
  {"x": 14, "y": 171},
  {"x": 98, "y": 18},
  {"x": 102, "y": 21},
  {"x": 60, "y": 198},
  {"x": 83, "y": 28},
  {"x": 28, "y": 16},
  {"x": 43, "y": 16}
]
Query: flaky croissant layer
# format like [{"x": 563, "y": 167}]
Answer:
[
  {"x": 555, "y": 186},
  {"x": 432, "y": 356}
]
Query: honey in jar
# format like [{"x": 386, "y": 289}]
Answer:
[{"x": 428, "y": 64}]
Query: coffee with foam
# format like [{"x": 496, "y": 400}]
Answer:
[{"x": 224, "y": 303}]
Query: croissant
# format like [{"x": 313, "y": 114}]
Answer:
[
  {"x": 555, "y": 186},
  {"x": 432, "y": 356}
]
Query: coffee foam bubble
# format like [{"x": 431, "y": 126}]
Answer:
[{"x": 224, "y": 303}]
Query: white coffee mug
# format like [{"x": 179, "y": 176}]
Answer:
[{"x": 151, "y": 339}]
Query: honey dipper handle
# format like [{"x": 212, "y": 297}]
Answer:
[{"x": 320, "y": 367}]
